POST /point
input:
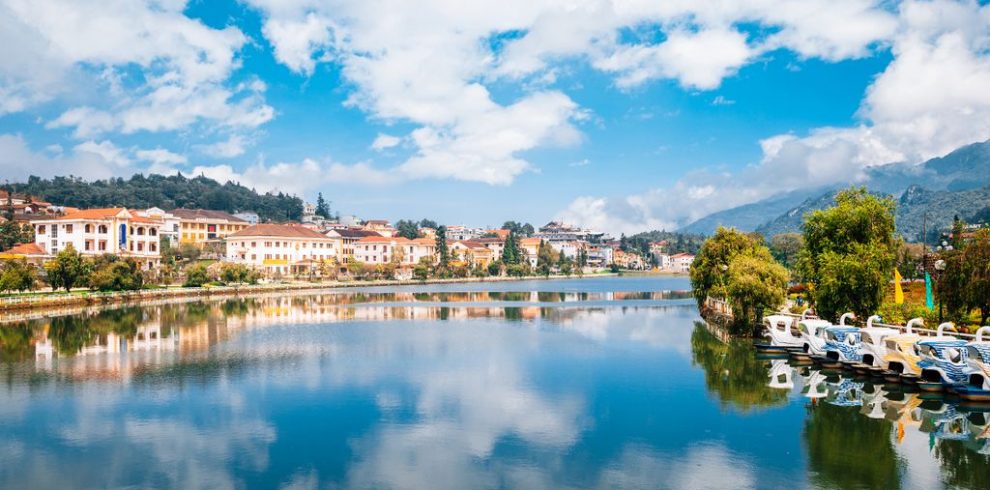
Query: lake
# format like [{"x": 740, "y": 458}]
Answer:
[{"x": 591, "y": 383}]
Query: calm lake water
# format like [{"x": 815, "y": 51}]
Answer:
[{"x": 596, "y": 383}]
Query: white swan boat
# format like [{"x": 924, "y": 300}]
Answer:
[
  {"x": 977, "y": 384},
  {"x": 872, "y": 348},
  {"x": 943, "y": 360}
]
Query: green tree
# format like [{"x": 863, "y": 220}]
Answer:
[
  {"x": 708, "y": 271},
  {"x": 67, "y": 270},
  {"x": 733, "y": 374},
  {"x": 785, "y": 248},
  {"x": 197, "y": 275},
  {"x": 238, "y": 273},
  {"x": 322, "y": 207},
  {"x": 443, "y": 253},
  {"x": 510, "y": 250},
  {"x": 848, "y": 257},
  {"x": 18, "y": 275},
  {"x": 494, "y": 267},
  {"x": 545, "y": 259},
  {"x": 428, "y": 223},
  {"x": 755, "y": 283},
  {"x": 407, "y": 228},
  {"x": 421, "y": 271},
  {"x": 527, "y": 230},
  {"x": 976, "y": 257},
  {"x": 13, "y": 233},
  {"x": 112, "y": 273}
]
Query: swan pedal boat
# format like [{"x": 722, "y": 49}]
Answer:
[
  {"x": 976, "y": 387},
  {"x": 943, "y": 361}
]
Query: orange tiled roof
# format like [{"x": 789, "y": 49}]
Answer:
[
  {"x": 384, "y": 239},
  {"x": 26, "y": 249},
  {"x": 272, "y": 230}
]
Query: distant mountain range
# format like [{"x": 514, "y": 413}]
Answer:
[{"x": 957, "y": 184}]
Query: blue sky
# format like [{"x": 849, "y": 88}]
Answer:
[{"x": 624, "y": 117}]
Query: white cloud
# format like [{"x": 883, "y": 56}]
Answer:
[
  {"x": 160, "y": 156},
  {"x": 930, "y": 100},
  {"x": 233, "y": 146},
  {"x": 89, "y": 160},
  {"x": 105, "y": 150},
  {"x": 297, "y": 178},
  {"x": 161, "y": 70},
  {"x": 384, "y": 141}
]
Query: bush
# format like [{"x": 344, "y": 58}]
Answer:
[
  {"x": 238, "y": 273},
  {"x": 197, "y": 275},
  {"x": 18, "y": 275},
  {"x": 111, "y": 273}
]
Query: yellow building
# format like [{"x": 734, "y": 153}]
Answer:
[{"x": 199, "y": 226}]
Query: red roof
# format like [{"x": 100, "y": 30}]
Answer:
[
  {"x": 272, "y": 230},
  {"x": 27, "y": 249}
]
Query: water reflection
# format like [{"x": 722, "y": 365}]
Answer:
[{"x": 732, "y": 372}]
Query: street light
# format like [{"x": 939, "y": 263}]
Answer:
[{"x": 940, "y": 267}]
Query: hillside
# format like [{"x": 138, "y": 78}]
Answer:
[
  {"x": 941, "y": 207},
  {"x": 963, "y": 170},
  {"x": 166, "y": 192}
]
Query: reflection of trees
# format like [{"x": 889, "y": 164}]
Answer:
[
  {"x": 732, "y": 371},
  {"x": 848, "y": 450},
  {"x": 15, "y": 342},
  {"x": 961, "y": 465}
]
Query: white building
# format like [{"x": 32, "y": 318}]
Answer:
[
  {"x": 251, "y": 217},
  {"x": 102, "y": 231},
  {"x": 681, "y": 262},
  {"x": 663, "y": 260},
  {"x": 170, "y": 223},
  {"x": 400, "y": 251},
  {"x": 570, "y": 249},
  {"x": 281, "y": 249}
]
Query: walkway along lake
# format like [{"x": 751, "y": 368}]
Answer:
[{"x": 602, "y": 383}]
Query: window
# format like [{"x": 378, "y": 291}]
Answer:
[
  {"x": 103, "y": 245},
  {"x": 140, "y": 230},
  {"x": 88, "y": 228},
  {"x": 68, "y": 228},
  {"x": 153, "y": 232},
  {"x": 140, "y": 247},
  {"x": 153, "y": 247},
  {"x": 89, "y": 245},
  {"x": 254, "y": 257},
  {"x": 131, "y": 232},
  {"x": 102, "y": 229},
  {"x": 254, "y": 244},
  {"x": 41, "y": 229}
]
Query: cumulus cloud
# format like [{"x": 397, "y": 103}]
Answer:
[
  {"x": 297, "y": 177},
  {"x": 930, "y": 100},
  {"x": 89, "y": 159},
  {"x": 163, "y": 70},
  {"x": 384, "y": 141},
  {"x": 233, "y": 146},
  {"x": 160, "y": 156}
]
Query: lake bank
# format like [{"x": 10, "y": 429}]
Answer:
[{"x": 37, "y": 301}]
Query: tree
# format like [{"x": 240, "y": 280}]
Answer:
[
  {"x": 238, "y": 273},
  {"x": 428, "y": 223},
  {"x": 112, "y": 273},
  {"x": 13, "y": 233},
  {"x": 756, "y": 282},
  {"x": 421, "y": 271},
  {"x": 18, "y": 275},
  {"x": 708, "y": 271},
  {"x": 407, "y": 228},
  {"x": 582, "y": 258},
  {"x": 443, "y": 253},
  {"x": 510, "y": 250},
  {"x": 976, "y": 257},
  {"x": 197, "y": 275},
  {"x": 527, "y": 230},
  {"x": 848, "y": 257},
  {"x": 513, "y": 227},
  {"x": 545, "y": 258},
  {"x": 322, "y": 207},
  {"x": 623, "y": 243},
  {"x": 189, "y": 251},
  {"x": 785, "y": 248},
  {"x": 67, "y": 269}
]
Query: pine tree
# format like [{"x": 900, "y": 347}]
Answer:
[
  {"x": 510, "y": 251},
  {"x": 443, "y": 253},
  {"x": 322, "y": 207}
]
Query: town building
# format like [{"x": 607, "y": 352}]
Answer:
[
  {"x": 663, "y": 261},
  {"x": 627, "y": 260},
  {"x": 380, "y": 226},
  {"x": 199, "y": 226},
  {"x": 31, "y": 253},
  {"x": 250, "y": 217},
  {"x": 461, "y": 232},
  {"x": 346, "y": 238},
  {"x": 22, "y": 205},
  {"x": 569, "y": 249},
  {"x": 599, "y": 256},
  {"x": 681, "y": 262},
  {"x": 282, "y": 249},
  {"x": 170, "y": 223},
  {"x": 496, "y": 245},
  {"x": 556, "y": 231},
  {"x": 471, "y": 253},
  {"x": 399, "y": 251},
  {"x": 530, "y": 248},
  {"x": 115, "y": 231},
  {"x": 658, "y": 247}
]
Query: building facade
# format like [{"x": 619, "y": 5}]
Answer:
[
  {"x": 399, "y": 251},
  {"x": 117, "y": 231},
  {"x": 200, "y": 226},
  {"x": 282, "y": 249}
]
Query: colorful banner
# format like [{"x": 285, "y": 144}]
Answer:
[
  {"x": 929, "y": 298},
  {"x": 898, "y": 291}
]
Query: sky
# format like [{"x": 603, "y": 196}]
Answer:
[{"x": 623, "y": 116}]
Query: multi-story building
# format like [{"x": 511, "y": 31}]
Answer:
[
  {"x": 346, "y": 239},
  {"x": 658, "y": 248},
  {"x": 681, "y": 262},
  {"x": 555, "y": 231},
  {"x": 400, "y": 251},
  {"x": 530, "y": 247},
  {"x": 281, "y": 249},
  {"x": 199, "y": 226},
  {"x": 170, "y": 223},
  {"x": 496, "y": 245},
  {"x": 380, "y": 226},
  {"x": 570, "y": 249},
  {"x": 461, "y": 232},
  {"x": 24, "y": 205},
  {"x": 471, "y": 252},
  {"x": 115, "y": 231},
  {"x": 599, "y": 256},
  {"x": 250, "y": 217}
]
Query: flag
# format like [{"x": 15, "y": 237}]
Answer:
[
  {"x": 929, "y": 299},
  {"x": 898, "y": 291}
]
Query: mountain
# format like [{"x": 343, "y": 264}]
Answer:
[
  {"x": 919, "y": 211},
  {"x": 750, "y": 216},
  {"x": 955, "y": 181}
]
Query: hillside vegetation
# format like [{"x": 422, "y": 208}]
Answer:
[{"x": 166, "y": 192}]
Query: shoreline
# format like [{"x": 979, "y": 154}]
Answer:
[{"x": 28, "y": 302}]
